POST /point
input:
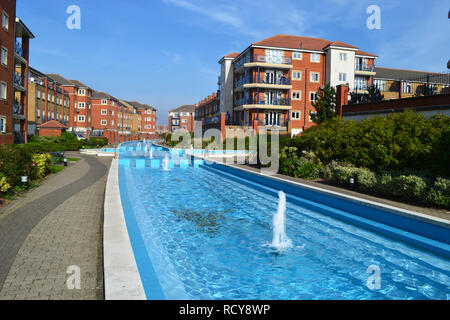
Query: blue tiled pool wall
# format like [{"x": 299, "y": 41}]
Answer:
[{"x": 425, "y": 235}]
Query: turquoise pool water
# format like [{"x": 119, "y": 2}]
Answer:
[{"x": 206, "y": 236}]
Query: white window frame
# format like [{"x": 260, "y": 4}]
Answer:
[
  {"x": 343, "y": 56},
  {"x": 4, "y": 90},
  {"x": 297, "y": 58},
  {"x": 296, "y": 115},
  {"x": 81, "y": 105},
  {"x": 2, "y": 124},
  {"x": 4, "y": 56},
  {"x": 81, "y": 92},
  {"x": 81, "y": 119},
  {"x": 295, "y": 92},
  {"x": 297, "y": 72},
  {"x": 6, "y": 27},
  {"x": 313, "y": 55},
  {"x": 315, "y": 94},
  {"x": 104, "y": 101},
  {"x": 342, "y": 77},
  {"x": 314, "y": 74},
  {"x": 104, "y": 122},
  {"x": 104, "y": 112}
]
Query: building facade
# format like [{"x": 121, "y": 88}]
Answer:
[
  {"x": 182, "y": 118},
  {"x": 47, "y": 100},
  {"x": 276, "y": 80},
  {"x": 7, "y": 68}
]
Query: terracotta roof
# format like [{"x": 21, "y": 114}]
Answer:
[
  {"x": 52, "y": 124},
  {"x": 79, "y": 84},
  {"x": 363, "y": 53},
  {"x": 232, "y": 55},
  {"x": 298, "y": 42}
]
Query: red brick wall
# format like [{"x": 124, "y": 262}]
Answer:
[
  {"x": 49, "y": 132},
  {"x": 7, "y": 40}
]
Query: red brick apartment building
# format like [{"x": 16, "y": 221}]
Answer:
[
  {"x": 207, "y": 111},
  {"x": 105, "y": 116},
  {"x": 273, "y": 82},
  {"x": 80, "y": 105},
  {"x": 182, "y": 118},
  {"x": 14, "y": 53}
]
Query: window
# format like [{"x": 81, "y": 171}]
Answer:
[
  {"x": 104, "y": 112},
  {"x": 315, "y": 57},
  {"x": 296, "y": 95},
  {"x": 296, "y": 75},
  {"x": 184, "y": 121},
  {"x": 380, "y": 84},
  {"x": 295, "y": 115},
  {"x": 112, "y": 122},
  {"x": 314, "y": 76},
  {"x": 310, "y": 114},
  {"x": 4, "y": 56},
  {"x": 313, "y": 97},
  {"x": 38, "y": 113},
  {"x": 81, "y": 105},
  {"x": 104, "y": 101},
  {"x": 360, "y": 83},
  {"x": 342, "y": 77},
  {"x": 81, "y": 92},
  {"x": 274, "y": 56},
  {"x": 53, "y": 98},
  {"x": 3, "y": 90},
  {"x": 5, "y": 21},
  {"x": 2, "y": 124},
  {"x": 297, "y": 55},
  {"x": 343, "y": 56},
  {"x": 38, "y": 94},
  {"x": 104, "y": 122},
  {"x": 406, "y": 87},
  {"x": 81, "y": 119}
]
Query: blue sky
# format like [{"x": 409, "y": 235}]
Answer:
[{"x": 165, "y": 52}]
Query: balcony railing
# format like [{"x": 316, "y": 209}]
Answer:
[
  {"x": 18, "y": 79},
  {"x": 364, "y": 67},
  {"x": 18, "y": 48},
  {"x": 18, "y": 108},
  {"x": 263, "y": 80},
  {"x": 263, "y": 102},
  {"x": 211, "y": 120},
  {"x": 262, "y": 59}
]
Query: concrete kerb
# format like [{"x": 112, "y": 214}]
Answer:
[{"x": 122, "y": 278}]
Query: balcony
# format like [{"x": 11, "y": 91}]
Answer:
[
  {"x": 18, "y": 50},
  {"x": 18, "y": 81},
  {"x": 254, "y": 103},
  {"x": 265, "y": 82},
  {"x": 259, "y": 60},
  {"x": 18, "y": 111},
  {"x": 364, "y": 69}
]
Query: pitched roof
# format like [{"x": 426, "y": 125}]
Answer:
[
  {"x": 363, "y": 53},
  {"x": 184, "y": 108},
  {"x": 79, "y": 84},
  {"x": 52, "y": 124},
  {"x": 60, "y": 79},
  {"x": 232, "y": 55},
  {"x": 102, "y": 95},
  {"x": 298, "y": 42},
  {"x": 412, "y": 75}
]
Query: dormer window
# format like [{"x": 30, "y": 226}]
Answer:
[
  {"x": 104, "y": 101},
  {"x": 81, "y": 92}
]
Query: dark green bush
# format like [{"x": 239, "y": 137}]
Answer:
[
  {"x": 399, "y": 141},
  {"x": 14, "y": 163},
  {"x": 97, "y": 141}
]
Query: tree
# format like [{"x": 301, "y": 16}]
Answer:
[
  {"x": 325, "y": 105},
  {"x": 374, "y": 94}
]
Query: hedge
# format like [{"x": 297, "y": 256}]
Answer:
[{"x": 400, "y": 141}]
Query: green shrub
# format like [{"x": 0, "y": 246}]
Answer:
[
  {"x": 40, "y": 167},
  {"x": 366, "y": 179},
  {"x": 4, "y": 185},
  {"x": 15, "y": 162},
  {"x": 409, "y": 187},
  {"x": 305, "y": 167},
  {"x": 439, "y": 193},
  {"x": 97, "y": 141}
]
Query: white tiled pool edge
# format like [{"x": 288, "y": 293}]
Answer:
[{"x": 121, "y": 275}]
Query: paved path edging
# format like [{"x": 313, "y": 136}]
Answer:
[{"x": 121, "y": 275}]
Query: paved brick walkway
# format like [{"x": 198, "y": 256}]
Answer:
[{"x": 55, "y": 226}]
